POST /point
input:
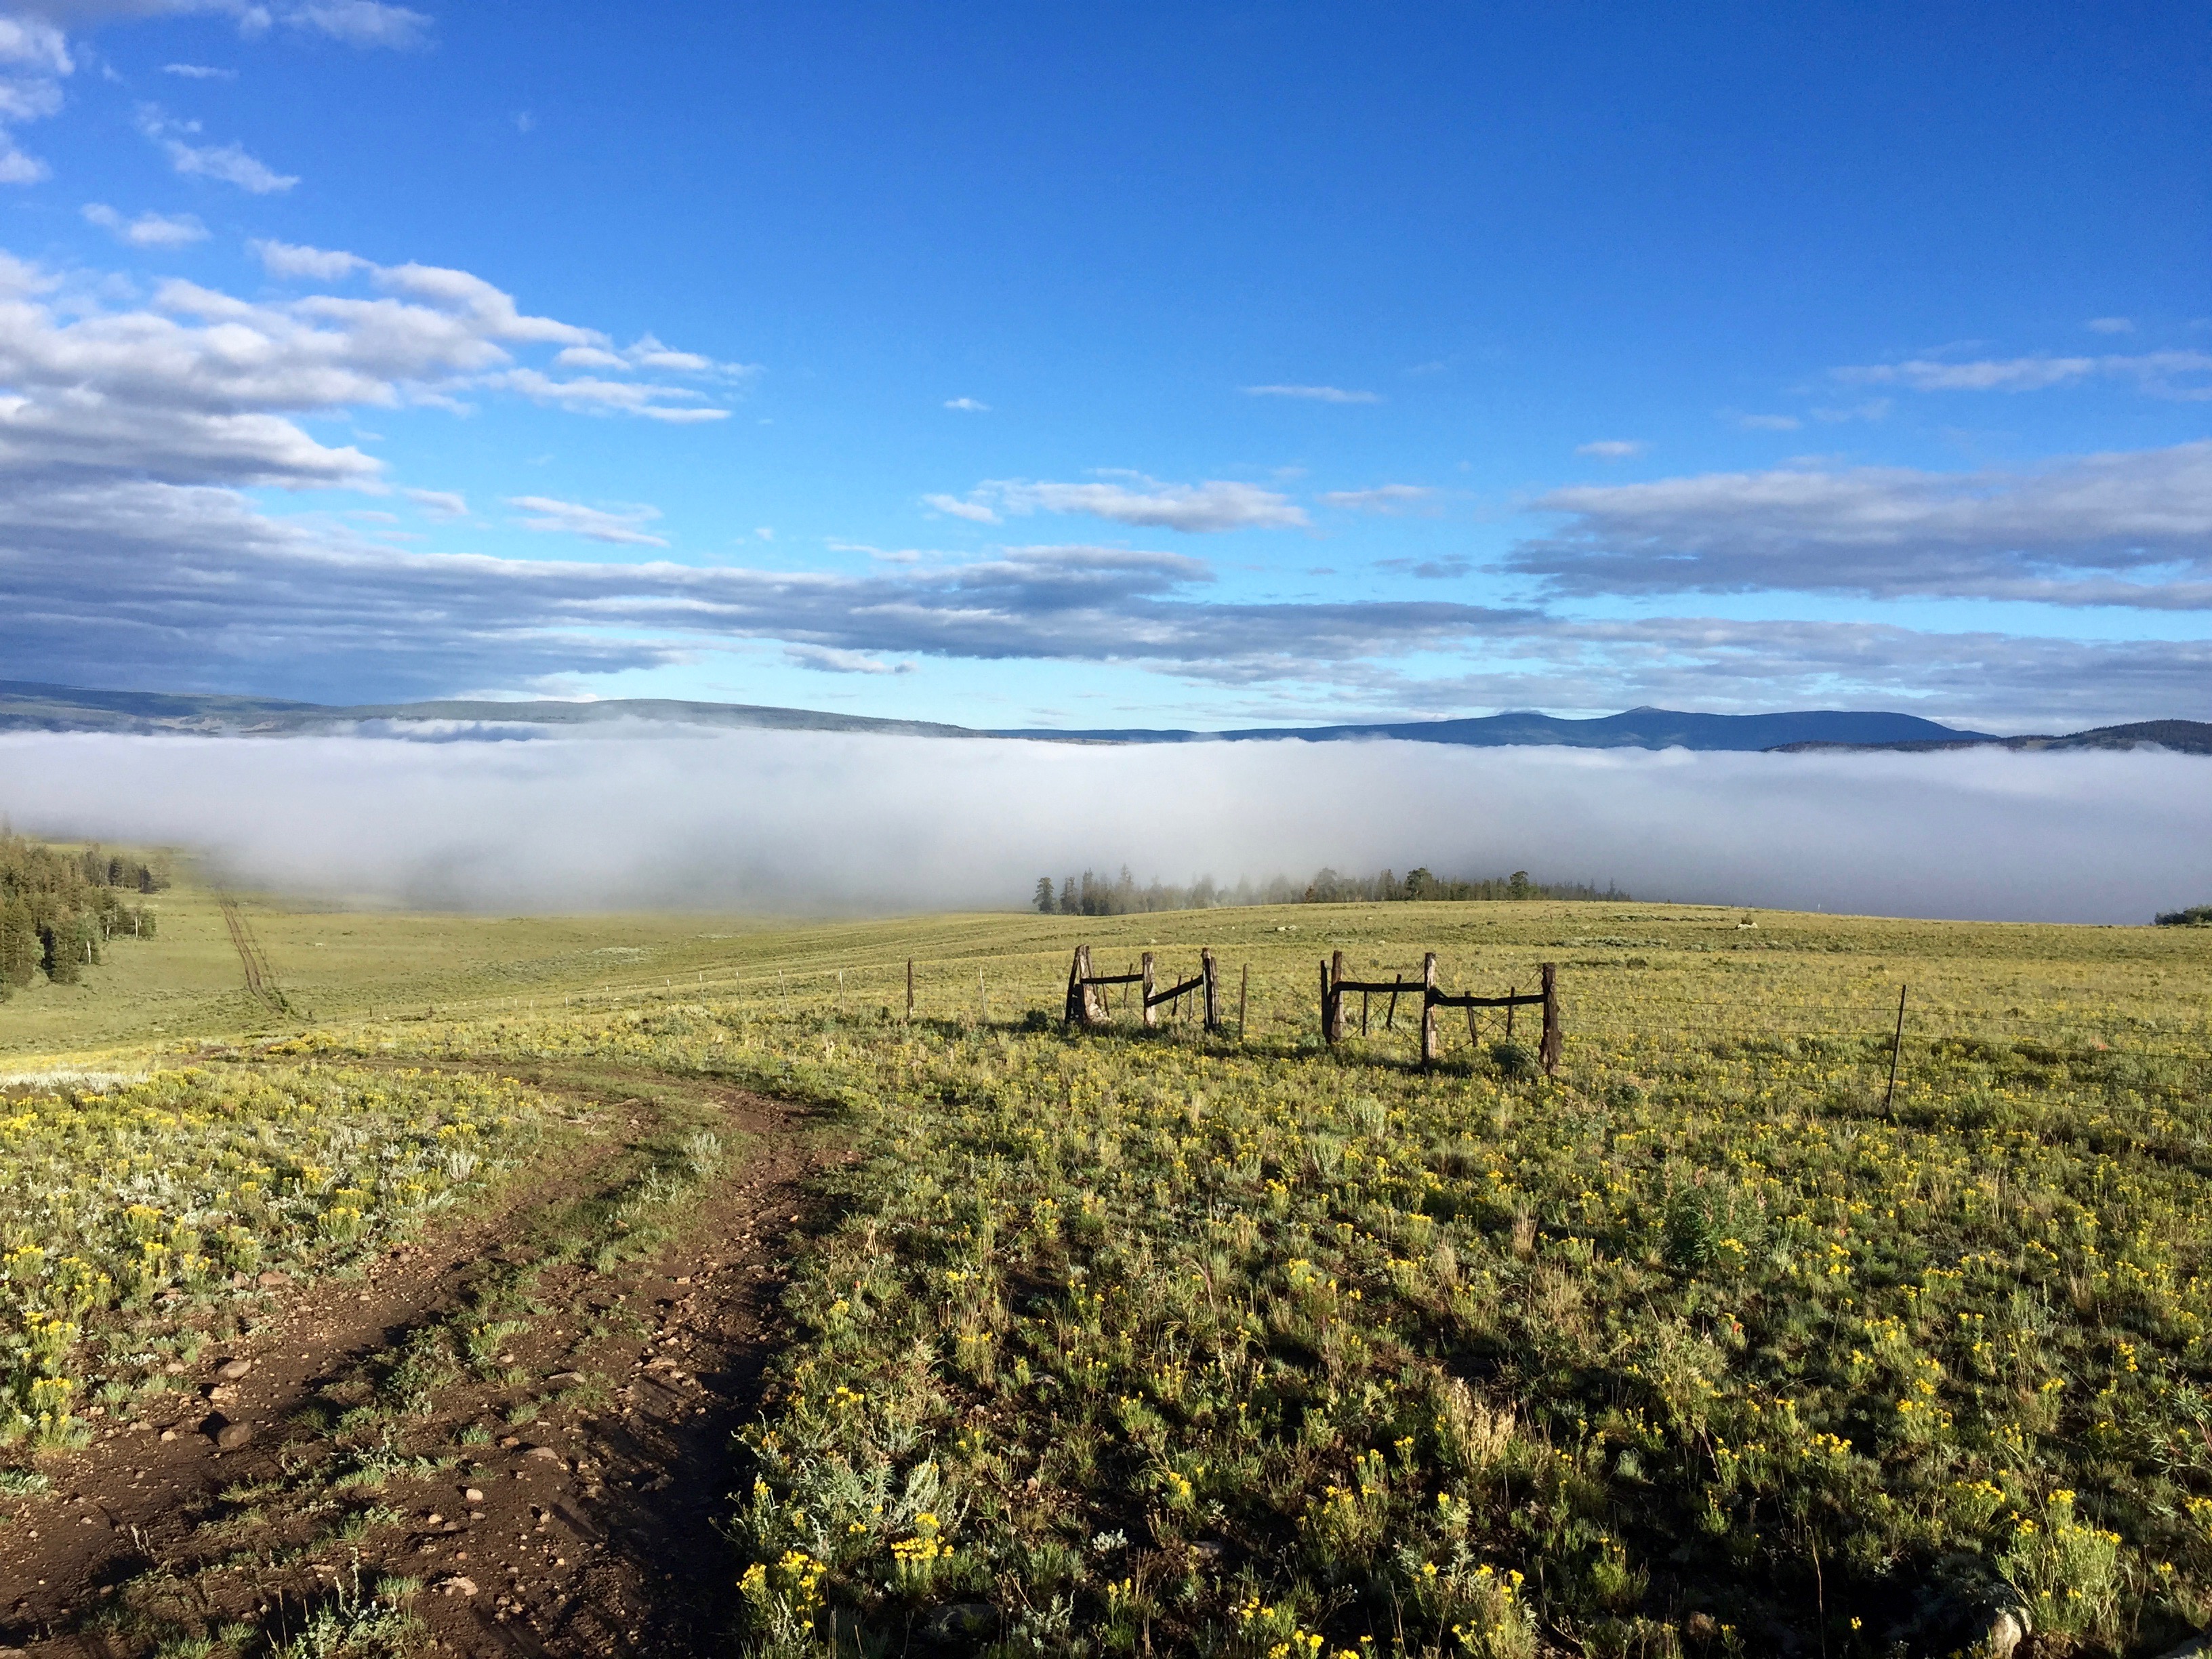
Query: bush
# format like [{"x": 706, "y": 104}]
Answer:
[{"x": 1512, "y": 1060}]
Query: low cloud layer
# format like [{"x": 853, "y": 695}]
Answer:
[{"x": 828, "y": 822}]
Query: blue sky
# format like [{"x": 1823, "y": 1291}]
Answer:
[{"x": 1195, "y": 365}]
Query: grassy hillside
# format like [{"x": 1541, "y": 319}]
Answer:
[{"x": 1236, "y": 1345}]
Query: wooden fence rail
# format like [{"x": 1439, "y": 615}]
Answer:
[
  {"x": 1333, "y": 985},
  {"x": 1086, "y": 1003}
]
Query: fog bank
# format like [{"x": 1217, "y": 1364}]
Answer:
[{"x": 822, "y": 821}]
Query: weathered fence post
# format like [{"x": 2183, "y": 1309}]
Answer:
[
  {"x": 1390, "y": 1018},
  {"x": 1333, "y": 1005},
  {"x": 1428, "y": 1011},
  {"x": 1243, "y": 990},
  {"x": 1552, "y": 1036},
  {"x": 1896, "y": 1048},
  {"x": 1512, "y": 991},
  {"x": 1083, "y": 1006},
  {"x": 1212, "y": 992},
  {"x": 1151, "y": 1017}
]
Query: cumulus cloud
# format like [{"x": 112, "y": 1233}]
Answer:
[
  {"x": 227, "y": 164},
  {"x": 807, "y": 822},
  {"x": 2185, "y": 375},
  {"x": 826, "y": 659},
  {"x": 974, "y": 512},
  {"x": 354, "y": 22},
  {"x": 148, "y": 229},
  {"x": 440, "y": 503},
  {"x": 193, "y": 588},
  {"x": 2131, "y": 529},
  {"x": 198, "y": 72},
  {"x": 1131, "y": 498},
  {"x": 1612, "y": 449},
  {"x": 34, "y": 59},
  {"x": 968, "y": 405},
  {"x": 647, "y": 352},
  {"x": 1318, "y": 394},
  {"x": 1382, "y": 498},
  {"x": 584, "y": 394},
  {"x": 185, "y": 583},
  {"x": 290, "y": 262},
  {"x": 362, "y": 23},
  {"x": 198, "y": 387},
  {"x": 622, "y": 527}
]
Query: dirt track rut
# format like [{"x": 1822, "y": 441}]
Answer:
[{"x": 584, "y": 1524}]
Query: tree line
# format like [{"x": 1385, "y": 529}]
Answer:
[
  {"x": 59, "y": 908},
  {"x": 1092, "y": 894}
]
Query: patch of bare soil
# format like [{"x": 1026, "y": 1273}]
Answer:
[{"x": 535, "y": 1431}]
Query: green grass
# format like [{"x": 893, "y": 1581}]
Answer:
[
  {"x": 1248, "y": 1348},
  {"x": 137, "y": 1219}
]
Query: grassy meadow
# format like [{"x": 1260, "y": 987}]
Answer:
[{"x": 1234, "y": 1344}]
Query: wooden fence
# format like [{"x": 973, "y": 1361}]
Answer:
[
  {"x": 1333, "y": 985},
  {"x": 1086, "y": 1001}
]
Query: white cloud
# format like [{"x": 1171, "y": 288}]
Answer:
[
  {"x": 193, "y": 585},
  {"x": 148, "y": 229},
  {"x": 1612, "y": 449},
  {"x": 2131, "y": 529},
  {"x": 354, "y": 22},
  {"x": 440, "y": 503},
  {"x": 198, "y": 387},
  {"x": 18, "y": 168},
  {"x": 1383, "y": 498},
  {"x": 589, "y": 396},
  {"x": 2110, "y": 325},
  {"x": 1768, "y": 423},
  {"x": 621, "y": 527},
  {"x": 362, "y": 23},
  {"x": 648, "y": 353},
  {"x": 29, "y": 43},
  {"x": 227, "y": 164},
  {"x": 1319, "y": 394},
  {"x": 199, "y": 72},
  {"x": 968, "y": 405},
  {"x": 1215, "y": 504},
  {"x": 825, "y": 660},
  {"x": 974, "y": 511},
  {"x": 87, "y": 14},
  {"x": 34, "y": 58},
  {"x": 292, "y": 263},
  {"x": 2185, "y": 375}
]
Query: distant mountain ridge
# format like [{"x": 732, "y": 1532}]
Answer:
[
  {"x": 1639, "y": 728},
  {"x": 28, "y": 706}
]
